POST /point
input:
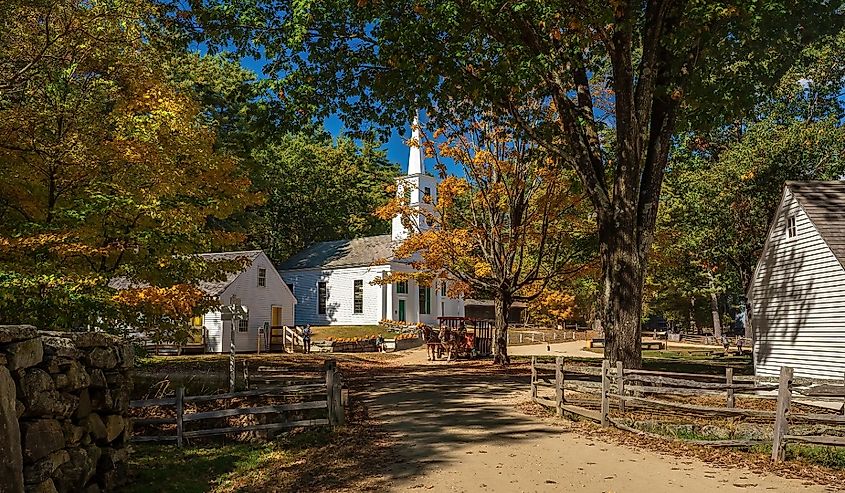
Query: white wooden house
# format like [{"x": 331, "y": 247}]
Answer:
[
  {"x": 797, "y": 292},
  {"x": 262, "y": 292}
]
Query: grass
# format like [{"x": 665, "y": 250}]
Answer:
[
  {"x": 824, "y": 456},
  {"x": 315, "y": 460},
  {"x": 196, "y": 469},
  {"x": 349, "y": 331}
]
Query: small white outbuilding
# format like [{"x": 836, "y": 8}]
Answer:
[
  {"x": 264, "y": 295},
  {"x": 797, "y": 292}
]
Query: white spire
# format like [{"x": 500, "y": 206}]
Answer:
[{"x": 416, "y": 165}]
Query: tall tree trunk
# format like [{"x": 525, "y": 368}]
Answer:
[
  {"x": 714, "y": 312},
  {"x": 623, "y": 276},
  {"x": 501, "y": 306}
]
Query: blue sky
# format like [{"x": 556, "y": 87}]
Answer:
[{"x": 397, "y": 150}]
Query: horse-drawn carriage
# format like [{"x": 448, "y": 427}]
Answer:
[{"x": 461, "y": 336}]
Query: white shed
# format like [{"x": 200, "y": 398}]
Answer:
[
  {"x": 267, "y": 299},
  {"x": 797, "y": 292}
]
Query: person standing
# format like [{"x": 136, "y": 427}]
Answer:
[{"x": 306, "y": 339}]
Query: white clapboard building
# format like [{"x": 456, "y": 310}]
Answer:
[
  {"x": 264, "y": 298},
  {"x": 332, "y": 280},
  {"x": 797, "y": 292}
]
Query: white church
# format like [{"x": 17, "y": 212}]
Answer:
[{"x": 331, "y": 281}]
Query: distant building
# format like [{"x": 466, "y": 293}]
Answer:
[
  {"x": 797, "y": 291},
  {"x": 485, "y": 310},
  {"x": 332, "y": 280}
]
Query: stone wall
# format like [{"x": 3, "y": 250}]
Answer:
[{"x": 64, "y": 399}]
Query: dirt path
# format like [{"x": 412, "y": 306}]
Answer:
[{"x": 460, "y": 431}]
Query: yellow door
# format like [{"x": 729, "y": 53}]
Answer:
[{"x": 276, "y": 316}]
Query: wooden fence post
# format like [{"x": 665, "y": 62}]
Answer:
[
  {"x": 559, "y": 385},
  {"x": 337, "y": 407},
  {"x": 533, "y": 377},
  {"x": 180, "y": 413},
  {"x": 331, "y": 365},
  {"x": 782, "y": 414},
  {"x": 605, "y": 388},
  {"x": 620, "y": 384},
  {"x": 729, "y": 379}
]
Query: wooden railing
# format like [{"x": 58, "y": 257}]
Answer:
[
  {"x": 284, "y": 338},
  {"x": 324, "y": 393},
  {"x": 628, "y": 390}
]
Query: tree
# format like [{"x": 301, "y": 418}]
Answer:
[
  {"x": 505, "y": 229},
  {"x": 108, "y": 169},
  {"x": 724, "y": 186},
  {"x": 317, "y": 190},
  {"x": 634, "y": 68}
]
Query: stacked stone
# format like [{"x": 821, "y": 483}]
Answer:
[{"x": 64, "y": 400}]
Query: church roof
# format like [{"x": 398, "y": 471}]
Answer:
[{"x": 358, "y": 252}]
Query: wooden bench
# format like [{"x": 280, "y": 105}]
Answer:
[{"x": 598, "y": 342}]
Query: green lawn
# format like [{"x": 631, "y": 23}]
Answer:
[
  {"x": 349, "y": 331},
  {"x": 166, "y": 469}
]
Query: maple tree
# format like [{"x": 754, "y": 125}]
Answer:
[
  {"x": 109, "y": 169},
  {"x": 512, "y": 223},
  {"x": 617, "y": 77}
]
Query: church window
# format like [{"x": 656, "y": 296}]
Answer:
[
  {"x": 427, "y": 195},
  {"x": 443, "y": 289},
  {"x": 322, "y": 297},
  {"x": 425, "y": 300},
  {"x": 402, "y": 287},
  {"x": 358, "y": 293},
  {"x": 262, "y": 277},
  {"x": 243, "y": 325}
]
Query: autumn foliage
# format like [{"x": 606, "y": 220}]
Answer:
[
  {"x": 509, "y": 227},
  {"x": 108, "y": 168}
]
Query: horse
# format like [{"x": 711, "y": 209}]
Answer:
[
  {"x": 432, "y": 342},
  {"x": 449, "y": 340}
]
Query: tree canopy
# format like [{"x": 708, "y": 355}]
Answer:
[
  {"x": 110, "y": 170},
  {"x": 723, "y": 186},
  {"x": 615, "y": 79},
  {"x": 317, "y": 190}
]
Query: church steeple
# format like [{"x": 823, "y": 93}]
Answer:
[
  {"x": 416, "y": 163},
  {"x": 419, "y": 188}
]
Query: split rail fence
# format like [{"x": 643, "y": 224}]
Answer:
[
  {"x": 323, "y": 393},
  {"x": 593, "y": 391}
]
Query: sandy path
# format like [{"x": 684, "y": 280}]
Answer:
[
  {"x": 571, "y": 348},
  {"x": 457, "y": 433}
]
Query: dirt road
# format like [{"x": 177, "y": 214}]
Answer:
[{"x": 461, "y": 432}]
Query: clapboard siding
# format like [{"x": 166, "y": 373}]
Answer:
[
  {"x": 798, "y": 301},
  {"x": 380, "y": 302},
  {"x": 259, "y": 301},
  {"x": 340, "y": 302}
]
